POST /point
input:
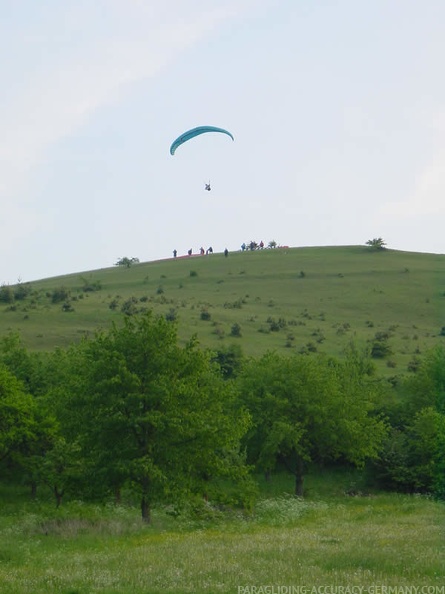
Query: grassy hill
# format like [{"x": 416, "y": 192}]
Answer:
[{"x": 288, "y": 299}]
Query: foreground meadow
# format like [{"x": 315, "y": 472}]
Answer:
[{"x": 325, "y": 540}]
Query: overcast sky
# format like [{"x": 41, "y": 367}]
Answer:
[{"x": 337, "y": 108}]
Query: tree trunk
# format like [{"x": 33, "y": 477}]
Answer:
[
  {"x": 267, "y": 476},
  {"x": 58, "y": 495},
  {"x": 33, "y": 490},
  {"x": 299, "y": 477},
  {"x": 145, "y": 509},
  {"x": 117, "y": 495}
]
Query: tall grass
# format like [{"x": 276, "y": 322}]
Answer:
[{"x": 396, "y": 540}]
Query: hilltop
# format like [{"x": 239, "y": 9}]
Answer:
[{"x": 287, "y": 299}]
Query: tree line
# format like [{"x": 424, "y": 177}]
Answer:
[{"x": 131, "y": 409}]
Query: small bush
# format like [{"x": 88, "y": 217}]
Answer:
[
  {"x": 171, "y": 315},
  {"x": 22, "y": 291},
  {"x": 238, "y": 304},
  {"x": 6, "y": 294},
  {"x": 59, "y": 295},
  {"x": 380, "y": 349},
  {"x": 114, "y": 304},
  {"x": 90, "y": 286},
  {"x": 290, "y": 341},
  {"x": 219, "y": 332},
  {"x": 193, "y": 273},
  {"x": 414, "y": 364},
  {"x": 129, "y": 307},
  {"x": 205, "y": 315},
  {"x": 235, "y": 330}
]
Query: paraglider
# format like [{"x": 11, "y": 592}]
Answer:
[
  {"x": 196, "y": 132},
  {"x": 207, "y": 187}
]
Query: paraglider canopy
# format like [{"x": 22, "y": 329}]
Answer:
[{"x": 196, "y": 132}]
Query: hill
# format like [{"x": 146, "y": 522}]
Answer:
[{"x": 287, "y": 299}]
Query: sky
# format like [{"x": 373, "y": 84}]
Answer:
[{"x": 337, "y": 108}]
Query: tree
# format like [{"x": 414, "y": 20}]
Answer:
[
  {"x": 152, "y": 415},
  {"x": 310, "y": 409},
  {"x": 414, "y": 458},
  {"x": 127, "y": 262},
  {"x": 17, "y": 417},
  {"x": 229, "y": 359},
  {"x": 376, "y": 244},
  {"x": 427, "y": 386}
]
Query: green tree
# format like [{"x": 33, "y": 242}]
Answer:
[
  {"x": 38, "y": 374},
  {"x": 427, "y": 386},
  {"x": 310, "y": 409},
  {"x": 152, "y": 415},
  {"x": 413, "y": 457},
  {"x": 230, "y": 360},
  {"x": 17, "y": 417},
  {"x": 26, "y": 366},
  {"x": 127, "y": 262},
  {"x": 426, "y": 439},
  {"x": 376, "y": 244}
]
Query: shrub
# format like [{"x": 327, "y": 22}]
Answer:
[
  {"x": 238, "y": 304},
  {"x": 414, "y": 364},
  {"x": 380, "y": 349},
  {"x": 219, "y": 332},
  {"x": 171, "y": 315},
  {"x": 290, "y": 340},
  {"x": 193, "y": 273},
  {"x": 235, "y": 330},
  {"x": 275, "y": 325},
  {"x": 205, "y": 315},
  {"x": 59, "y": 295},
  {"x": 90, "y": 286},
  {"x": 6, "y": 294},
  {"x": 114, "y": 304},
  {"x": 129, "y": 307},
  {"x": 22, "y": 291}
]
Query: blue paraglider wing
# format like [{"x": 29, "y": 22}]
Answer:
[{"x": 196, "y": 132}]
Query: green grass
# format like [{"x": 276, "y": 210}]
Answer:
[
  {"x": 326, "y": 539},
  {"x": 346, "y": 293}
]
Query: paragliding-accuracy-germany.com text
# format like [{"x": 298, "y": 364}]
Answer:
[{"x": 334, "y": 589}]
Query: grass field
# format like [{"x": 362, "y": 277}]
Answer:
[
  {"x": 328, "y": 539},
  {"x": 287, "y": 299}
]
